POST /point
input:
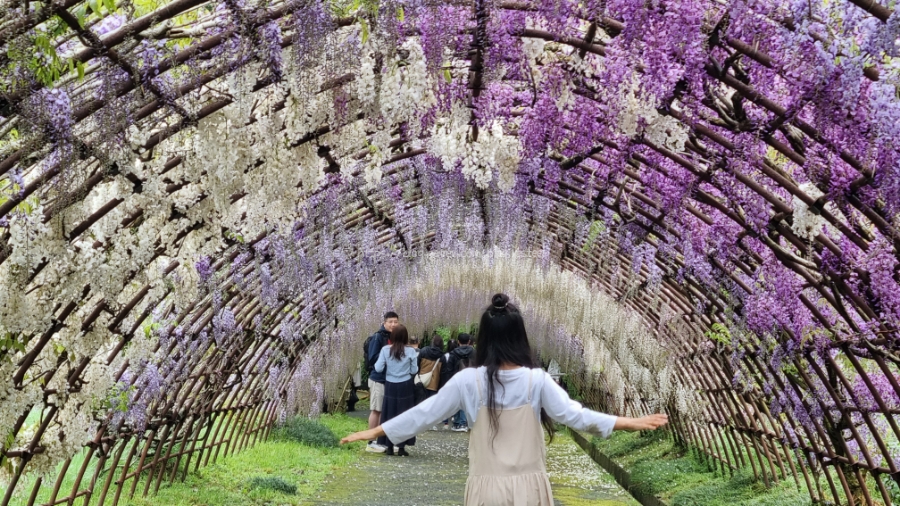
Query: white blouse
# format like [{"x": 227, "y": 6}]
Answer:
[{"x": 461, "y": 392}]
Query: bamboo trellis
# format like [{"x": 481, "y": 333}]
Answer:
[{"x": 222, "y": 406}]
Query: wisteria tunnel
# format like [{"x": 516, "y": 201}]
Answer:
[{"x": 207, "y": 205}]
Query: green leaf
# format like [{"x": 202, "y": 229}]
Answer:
[
  {"x": 364, "y": 25},
  {"x": 80, "y": 67},
  {"x": 28, "y": 205},
  {"x": 10, "y": 342},
  {"x": 149, "y": 328},
  {"x": 80, "y": 14},
  {"x": 719, "y": 333},
  {"x": 597, "y": 227},
  {"x": 41, "y": 42},
  {"x": 400, "y": 14},
  {"x": 58, "y": 27},
  {"x": 143, "y": 7},
  {"x": 448, "y": 76},
  {"x": 110, "y": 5},
  {"x": 234, "y": 236},
  {"x": 789, "y": 369}
]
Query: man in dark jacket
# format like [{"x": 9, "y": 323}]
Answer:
[
  {"x": 376, "y": 342},
  {"x": 460, "y": 358}
]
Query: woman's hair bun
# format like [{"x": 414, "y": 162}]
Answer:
[{"x": 499, "y": 301}]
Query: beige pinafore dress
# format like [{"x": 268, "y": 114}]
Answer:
[{"x": 510, "y": 470}]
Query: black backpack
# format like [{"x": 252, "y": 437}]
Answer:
[
  {"x": 448, "y": 369},
  {"x": 366, "y": 344},
  {"x": 462, "y": 363},
  {"x": 370, "y": 361},
  {"x": 452, "y": 365}
]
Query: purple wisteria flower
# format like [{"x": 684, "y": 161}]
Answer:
[{"x": 204, "y": 269}]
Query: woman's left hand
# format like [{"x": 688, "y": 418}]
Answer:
[
  {"x": 364, "y": 435},
  {"x": 650, "y": 422}
]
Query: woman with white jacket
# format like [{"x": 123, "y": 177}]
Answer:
[{"x": 507, "y": 399}]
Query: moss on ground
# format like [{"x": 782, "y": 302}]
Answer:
[
  {"x": 680, "y": 478},
  {"x": 433, "y": 474},
  {"x": 236, "y": 479},
  {"x": 577, "y": 480},
  {"x": 573, "y": 496}
]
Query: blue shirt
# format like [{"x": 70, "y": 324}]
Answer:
[{"x": 398, "y": 371}]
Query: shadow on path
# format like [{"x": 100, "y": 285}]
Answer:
[{"x": 435, "y": 475}]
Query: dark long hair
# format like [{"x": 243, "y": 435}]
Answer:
[
  {"x": 502, "y": 339},
  {"x": 399, "y": 340}
]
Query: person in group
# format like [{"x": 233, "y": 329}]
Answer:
[
  {"x": 452, "y": 344},
  {"x": 418, "y": 392},
  {"x": 508, "y": 398},
  {"x": 373, "y": 346},
  {"x": 461, "y": 357},
  {"x": 429, "y": 377},
  {"x": 398, "y": 363}
]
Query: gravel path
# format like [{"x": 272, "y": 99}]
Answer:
[{"x": 435, "y": 475}]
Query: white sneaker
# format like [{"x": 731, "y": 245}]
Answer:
[
  {"x": 434, "y": 427},
  {"x": 461, "y": 428},
  {"x": 375, "y": 448}
]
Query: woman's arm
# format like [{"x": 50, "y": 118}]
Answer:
[
  {"x": 414, "y": 363},
  {"x": 438, "y": 407},
  {"x": 382, "y": 361},
  {"x": 561, "y": 408}
]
